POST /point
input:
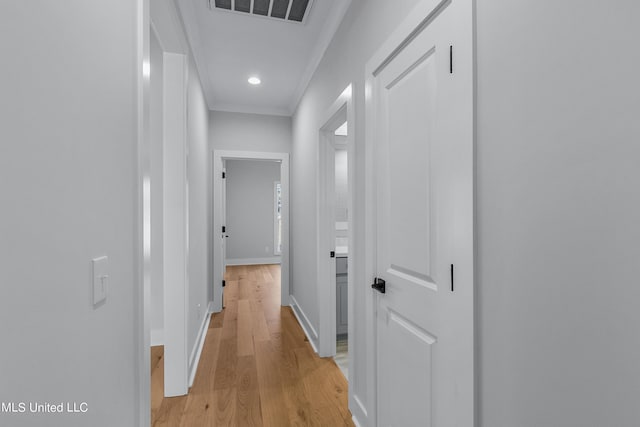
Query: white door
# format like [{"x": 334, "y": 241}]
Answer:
[{"x": 423, "y": 135}]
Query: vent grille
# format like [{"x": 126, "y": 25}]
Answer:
[{"x": 284, "y": 10}]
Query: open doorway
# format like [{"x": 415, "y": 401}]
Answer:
[
  {"x": 335, "y": 233},
  {"x": 341, "y": 203},
  {"x": 250, "y": 221},
  {"x": 252, "y": 199}
]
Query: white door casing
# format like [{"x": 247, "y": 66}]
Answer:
[
  {"x": 218, "y": 217},
  {"x": 421, "y": 124},
  {"x": 224, "y": 235}
]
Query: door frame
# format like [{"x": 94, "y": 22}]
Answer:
[
  {"x": 218, "y": 273},
  {"x": 342, "y": 109},
  {"x": 142, "y": 226},
  {"x": 419, "y": 17}
]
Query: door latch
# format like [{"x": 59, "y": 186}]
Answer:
[{"x": 379, "y": 285}]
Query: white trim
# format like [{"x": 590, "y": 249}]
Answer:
[
  {"x": 210, "y": 307},
  {"x": 254, "y": 261},
  {"x": 250, "y": 109},
  {"x": 340, "y": 111},
  {"x": 175, "y": 224},
  {"x": 142, "y": 260},
  {"x": 305, "y": 324},
  {"x": 331, "y": 25},
  {"x": 217, "y": 261},
  {"x": 276, "y": 252},
  {"x": 157, "y": 337},
  {"x": 196, "y": 352}
]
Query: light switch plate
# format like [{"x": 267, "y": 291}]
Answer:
[{"x": 100, "y": 279}]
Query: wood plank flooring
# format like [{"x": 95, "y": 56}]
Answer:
[{"x": 256, "y": 368}]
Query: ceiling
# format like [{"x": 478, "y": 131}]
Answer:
[{"x": 229, "y": 47}]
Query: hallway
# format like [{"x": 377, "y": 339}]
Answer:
[{"x": 256, "y": 368}]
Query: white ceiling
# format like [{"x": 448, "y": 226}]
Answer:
[{"x": 229, "y": 47}]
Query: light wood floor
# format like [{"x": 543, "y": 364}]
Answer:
[{"x": 256, "y": 368}]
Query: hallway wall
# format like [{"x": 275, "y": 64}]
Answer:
[
  {"x": 199, "y": 187},
  {"x": 365, "y": 26},
  {"x": 68, "y": 159},
  {"x": 249, "y": 132},
  {"x": 558, "y": 213},
  {"x": 557, "y": 204}
]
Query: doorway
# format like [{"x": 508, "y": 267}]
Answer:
[
  {"x": 336, "y": 155},
  {"x": 242, "y": 183}
]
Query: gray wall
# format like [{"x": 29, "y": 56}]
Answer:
[
  {"x": 366, "y": 25},
  {"x": 249, "y": 208},
  {"x": 557, "y": 204},
  {"x": 558, "y": 149},
  {"x": 249, "y": 132},
  {"x": 199, "y": 189},
  {"x": 68, "y": 161}
]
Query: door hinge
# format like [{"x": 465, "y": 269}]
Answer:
[
  {"x": 224, "y": 229},
  {"x": 450, "y": 59},
  {"x": 332, "y": 254},
  {"x": 451, "y": 277},
  {"x": 224, "y": 283},
  {"x": 224, "y": 175}
]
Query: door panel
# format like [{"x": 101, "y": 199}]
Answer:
[
  {"x": 410, "y": 119},
  {"x": 405, "y": 390},
  {"x": 424, "y": 179}
]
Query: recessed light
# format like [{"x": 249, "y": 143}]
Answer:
[{"x": 254, "y": 80}]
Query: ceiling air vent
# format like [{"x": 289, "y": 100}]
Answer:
[{"x": 284, "y": 10}]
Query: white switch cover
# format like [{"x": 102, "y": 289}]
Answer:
[{"x": 100, "y": 279}]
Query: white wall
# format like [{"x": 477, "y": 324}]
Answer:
[
  {"x": 342, "y": 185},
  {"x": 156, "y": 306},
  {"x": 199, "y": 188},
  {"x": 250, "y": 209},
  {"x": 167, "y": 22},
  {"x": 68, "y": 182},
  {"x": 249, "y": 132},
  {"x": 558, "y": 143},
  {"x": 558, "y": 205},
  {"x": 366, "y": 25}
]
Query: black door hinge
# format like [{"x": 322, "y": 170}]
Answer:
[
  {"x": 224, "y": 283},
  {"x": 224, "y": 175},
  {"x": 451, "y": 277},
  {"x": 450, "y": 59},
  {"x": 224, "y": 229},
  {"x": 332, "y": 254}
]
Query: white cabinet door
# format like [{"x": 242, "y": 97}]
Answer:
[
  {"x": 423, "y": 134},
  {"x": 342, "y": 312}
]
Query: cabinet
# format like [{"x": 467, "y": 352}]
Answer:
[{"x": 342, "y": 312}]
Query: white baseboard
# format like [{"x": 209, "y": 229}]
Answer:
[
  {"x": 157, "y": 337},
  {"x": 305, "y": 324},
  {"x": 211, "y": 307},
  {"x": 254, "y": 261},
  {"x": 197, "y": 348}
]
